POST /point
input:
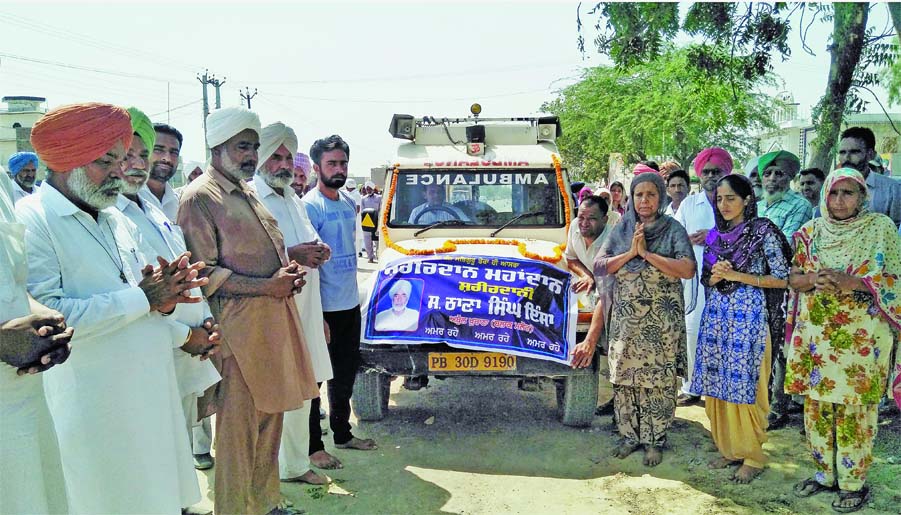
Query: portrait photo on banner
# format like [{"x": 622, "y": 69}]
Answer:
[{"x": 399, "y": 305}]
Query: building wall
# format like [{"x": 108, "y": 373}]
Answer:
[
  {"x": 796, "y": 137},
  {"x": 17, "y": 139}
]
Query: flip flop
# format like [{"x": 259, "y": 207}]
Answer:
[{"x": 861, "y": 496}]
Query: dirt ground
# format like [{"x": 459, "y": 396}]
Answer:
[{"x": 481, "y": 446}]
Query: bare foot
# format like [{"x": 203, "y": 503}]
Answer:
[
  {"x": 745, "y": 474},
  {"x": 310, "y": 477},
  {"x": 652, "y": 456},
  {"x": 324, "y": 460},
  {"x": 625, "y": 449},
  {"x": 721, "y": 463},
  {"x": 359, "y": 444}
]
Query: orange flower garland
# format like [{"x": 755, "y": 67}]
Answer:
[{"x": 451, "y": 245}]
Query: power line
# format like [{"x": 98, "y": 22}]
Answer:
[
  {"x": 176, "y": 108},
  {"x": 89, "y": 69},
  {"x": 407, "y": 100},
  {"x": 70, "y": 36},
  {"x": 423, "y": 76}
]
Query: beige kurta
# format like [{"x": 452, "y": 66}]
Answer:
[{"x": 227, "y": 227}]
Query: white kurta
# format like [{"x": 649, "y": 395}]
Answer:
[
  {"x": 577, "y": 250},
  {"x": 115, "y": 403},
  {"x": 695, "y": 213},
  {"x": 19, "y": 193},
  {"x": 166, "y": 240},
  {"x": 31, "y": 475},
  {"x": 390, "y": 320},
  {"x": 293, "y": 221},
  {"x": 169, "y": 204}
]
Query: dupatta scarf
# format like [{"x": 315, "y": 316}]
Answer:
[{"x": 742, "y": 245}]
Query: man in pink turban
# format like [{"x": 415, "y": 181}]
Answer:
[
  {"x": 719, "y": 157},
  {"x": 696, "y": 215},
  {"x": 302, "y": 169}
]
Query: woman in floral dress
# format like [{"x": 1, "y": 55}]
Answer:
[
  {"x": 745, "y": 272},
  {"x": 646, "y": 254},
  {"x": 846, "y": 268}
]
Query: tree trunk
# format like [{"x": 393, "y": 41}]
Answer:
[
  {"x": 895, "y": 9},
  {"x": 850, "y": 25}
]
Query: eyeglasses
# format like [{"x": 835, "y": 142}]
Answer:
[
  {"x": 708, "y": 172},
  {"x": 778, "y": 174}
]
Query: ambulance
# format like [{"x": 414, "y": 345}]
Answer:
[{"x": 471, "y": 278}]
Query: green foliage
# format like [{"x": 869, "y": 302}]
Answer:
[
  {"x": 892, "y": 77},
  {"x": 662, "y": 108},
  {"x": 752, "y": 33}
]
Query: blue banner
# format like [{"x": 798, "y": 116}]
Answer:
[{"x": 509, "y": 305}]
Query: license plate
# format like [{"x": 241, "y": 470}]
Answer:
[{"x": 470, "y": 362}]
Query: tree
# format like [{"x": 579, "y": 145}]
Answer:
[
  {"x": 661, "y": 108},
  {"x": 755, "y": 33}
]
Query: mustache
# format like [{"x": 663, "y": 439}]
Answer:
[
  {"x": 134, "y": 172},
  {"x": 110, "y": 184}
]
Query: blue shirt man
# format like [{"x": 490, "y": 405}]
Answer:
[{"x": 334, "y": 216}]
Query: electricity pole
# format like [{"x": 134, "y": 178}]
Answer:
[
  {"x": 207, "y": 79},
  {"x": 249, "y": 95}
]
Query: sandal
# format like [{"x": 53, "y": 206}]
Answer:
[
  {"x": 861, "y": 496},
  {"x": 801, "y": 489}
]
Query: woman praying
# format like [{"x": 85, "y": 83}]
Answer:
[
  {"x": 646, "y": 254},
  {"x": 745, "y": 272}
]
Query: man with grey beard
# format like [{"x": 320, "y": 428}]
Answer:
[
  {"x": 194, "y": 374},
  {"x": 782, "y": 205},
  {"x": 116, "y": 403},
  {"x": 264, "y": 362},
  {"x": 278, "y": 146}
]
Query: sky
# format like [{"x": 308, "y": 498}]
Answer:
[{"x": 320, "y": 67}]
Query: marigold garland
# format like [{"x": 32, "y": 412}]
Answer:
[{"x": 451, "y": 245}]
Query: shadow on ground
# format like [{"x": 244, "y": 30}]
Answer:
[{"x": 479, "y": 445}]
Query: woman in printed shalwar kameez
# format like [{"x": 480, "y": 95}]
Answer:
[
  {"x": 647, "y": 254},
  {"x": 745, "y": 271},
  {"x": 846, "y": 268}
]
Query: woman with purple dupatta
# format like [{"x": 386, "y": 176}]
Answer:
[{"x": 746, "y": 265}]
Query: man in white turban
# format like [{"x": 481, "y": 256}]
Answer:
[
  {"x": 190, "y": 170},
  {"x": 398, "y": 317},
  {"x": 275, "y": 173},
  {"x": 265, "y": 366}
]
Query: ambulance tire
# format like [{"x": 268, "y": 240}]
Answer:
[
  {"x": 370, "y": 395},
  {"x": 577, "y": 399}
]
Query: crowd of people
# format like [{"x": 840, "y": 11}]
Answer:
[
  {"x": 756, "y": 301},
  {"x": 237, "y": 295}
]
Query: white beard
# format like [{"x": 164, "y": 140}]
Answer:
[
  {"x": 233, "y": 168},
  {"x": 97, "y": 196},
  {"x": 276, "y": 182},
  {"x": 132, "y": 189}
]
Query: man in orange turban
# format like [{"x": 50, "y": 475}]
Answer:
[{"x": 115, "y": 404}]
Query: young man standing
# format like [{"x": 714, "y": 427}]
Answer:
[{"x": 334, "y": 215}]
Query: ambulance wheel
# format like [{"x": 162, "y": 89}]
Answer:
[
  {"x": 577, "y": 398},
  {"x": 370, "y": 395}
]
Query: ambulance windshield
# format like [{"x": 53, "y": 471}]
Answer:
[{"x": 480, "y": 198}]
